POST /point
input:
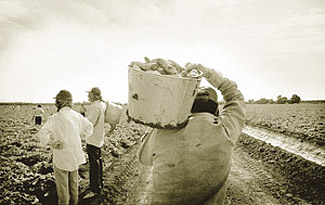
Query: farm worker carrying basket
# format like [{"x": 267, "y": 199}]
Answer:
[
  {"x": 191, "y": 164},
  {"x": 96, "y": 115},
  {"x": 99, "y": 113}
]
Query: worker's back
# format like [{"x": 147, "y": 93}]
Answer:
[{"x": 191, "y": 164}]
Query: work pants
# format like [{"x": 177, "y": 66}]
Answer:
[
  {"x": 66, "y": 186},
  {"x": 38, "y": 120},
  {"x": 96, "y": 168}
]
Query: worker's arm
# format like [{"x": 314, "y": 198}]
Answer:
[{"x": 233, "y": 112}]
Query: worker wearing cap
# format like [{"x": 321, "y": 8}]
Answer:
[
  {"x": 191, "y": 164},
  {"x": 95, "y": 141},
  {"x": 63, "y": 131}
]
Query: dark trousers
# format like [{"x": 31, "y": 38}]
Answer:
[
  {"x": 96, "y": 168},
  {"x": 38, "y": 120}
]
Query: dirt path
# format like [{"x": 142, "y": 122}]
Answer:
[
  {"x": 140, "y": 191},
  {"x": 251, "y": 181}
]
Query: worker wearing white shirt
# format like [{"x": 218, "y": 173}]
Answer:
[
  {"x": 95, "y": 141},
  {"x": 63, "y": 131},
  {"x": 38, "y": 115}
]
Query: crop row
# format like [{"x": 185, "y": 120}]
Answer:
[{"x": 303, "y": 121}]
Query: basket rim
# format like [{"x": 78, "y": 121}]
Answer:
[{"x": 198, "y": 78}]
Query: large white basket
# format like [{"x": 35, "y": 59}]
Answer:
[
  {"x": 112, "y": 113},
  {"x": 160, "y": 101}
]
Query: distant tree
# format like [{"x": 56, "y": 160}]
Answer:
[
  {"x": 264, "y": 101},
  {"x": 251, "y": 101},
  {"x": 281, "y": 100},
  {"x": 294, "y": 99},
  {"x": 261, "y": 101}
]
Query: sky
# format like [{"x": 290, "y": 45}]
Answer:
[{"x": 268, "y": 48}]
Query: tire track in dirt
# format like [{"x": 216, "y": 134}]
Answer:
[
  {"x": 250, "y": 182},
  {"x": 293, "y": 145},
  {"x": 299, "y": 178}
]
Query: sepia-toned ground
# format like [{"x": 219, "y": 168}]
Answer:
[{"x": 261, "y": 173}]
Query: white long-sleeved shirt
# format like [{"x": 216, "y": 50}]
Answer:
[
  {"x": 39, "y": 112},
  {"x": 69, "y": 127},
  {"x": 96, "y": 115}
]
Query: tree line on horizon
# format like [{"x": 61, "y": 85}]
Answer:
[
  {"x": 280, "y": 100},
  {"x": 295, "y": 99}
]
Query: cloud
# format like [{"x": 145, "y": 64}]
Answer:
[
  {"x": 230, "y": 20},
  {"x": 109, "y": 33},
  {"x": 11, "y": 20},
  {"x": 19, "y": 16}
]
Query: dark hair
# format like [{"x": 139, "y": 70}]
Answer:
[
  {"x": 62, "y": 103},
  {"x": 204, "y": 105},
  {"x": 39, "y": 105}
]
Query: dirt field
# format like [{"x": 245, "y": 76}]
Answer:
[{"x": 261, "y": 173}]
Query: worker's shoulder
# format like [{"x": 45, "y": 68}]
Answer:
[
  {"x": 97, "y": 105},
  {"x": 52, "y": 116}
]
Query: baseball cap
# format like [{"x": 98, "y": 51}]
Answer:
[
  {"x": 207, "y": 93},
  {"x": 64, "y": 95}
]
